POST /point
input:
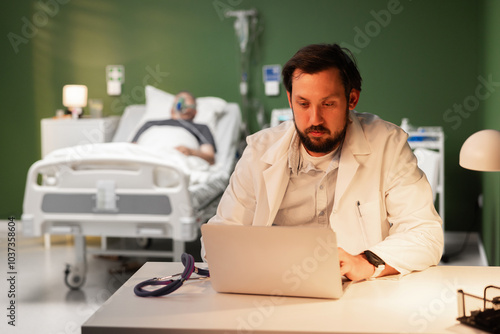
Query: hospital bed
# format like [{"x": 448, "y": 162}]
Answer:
[{"x": 117, "y": 190}]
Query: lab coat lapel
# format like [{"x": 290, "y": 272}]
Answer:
[
  {"x": 355, "y": 144},
  {"x": 276, "y": 177},
  {"x": 276, "y": 181},
  {"x": 347, "y": 169}
]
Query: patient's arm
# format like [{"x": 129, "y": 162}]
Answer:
[{"x": 205, "y": 152}]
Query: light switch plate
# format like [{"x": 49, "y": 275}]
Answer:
[{"x": 115, "y": 77}]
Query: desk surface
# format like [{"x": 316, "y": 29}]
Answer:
[{"x": 419, "y": 302}]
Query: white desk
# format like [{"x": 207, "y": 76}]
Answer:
[{"x": 420, "y": 302}]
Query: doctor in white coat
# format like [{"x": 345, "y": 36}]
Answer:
[{"x": 335, "y": 168}]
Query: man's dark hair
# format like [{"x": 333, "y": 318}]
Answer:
[{"x": 315, "y": 58}]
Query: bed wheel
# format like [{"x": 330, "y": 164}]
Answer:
[
  {"x": 144, "y": 243},
  {"x": 73, "y": 278}
]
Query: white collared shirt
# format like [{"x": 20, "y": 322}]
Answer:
[{"x": 310, "y": 192}]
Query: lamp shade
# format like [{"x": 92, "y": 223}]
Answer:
[
  {"x": 481, "y": 151},
  {"x": 75, "y": 96}
]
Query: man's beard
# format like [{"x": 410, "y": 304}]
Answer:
[{"x": 320, "y": 145}]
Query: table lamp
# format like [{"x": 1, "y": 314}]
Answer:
[
  {"x": 75, "y": 98},
  {"x": 481, "y": 151}
]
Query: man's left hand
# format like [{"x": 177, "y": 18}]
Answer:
[
  {"x": 357, "y": 267},
  {"x": 354, "y": 267}
]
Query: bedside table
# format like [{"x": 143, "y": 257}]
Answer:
[{"x": 58, "y": 133}]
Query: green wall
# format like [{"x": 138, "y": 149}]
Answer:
[
  {"x": 418, "y": 59},
  {"x": 19, "y": 134},
  {"x": 491, "y": 120}
]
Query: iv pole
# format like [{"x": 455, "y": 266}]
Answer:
[{"x": 245, "y": 27}]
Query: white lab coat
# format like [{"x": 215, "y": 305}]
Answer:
[{"x": 383, "y": 201}]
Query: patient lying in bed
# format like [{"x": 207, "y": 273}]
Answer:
[
  {"x": 179, "y": 132},
  {"x": 185, "y": 145}
]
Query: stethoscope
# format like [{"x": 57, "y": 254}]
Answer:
[{"x": 170, "y": 284}]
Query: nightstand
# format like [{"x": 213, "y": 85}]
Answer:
[{"x": 58, "y": 133}]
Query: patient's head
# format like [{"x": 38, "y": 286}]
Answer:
[{"x": 184, "y": 106}]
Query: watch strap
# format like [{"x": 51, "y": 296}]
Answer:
[
  {"x": 376, "y": 261},
  {"x": 373, "y": 258},
  {"x": 378, "y": 271}
]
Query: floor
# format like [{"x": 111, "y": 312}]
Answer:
[{"x": 45, "y": 305}]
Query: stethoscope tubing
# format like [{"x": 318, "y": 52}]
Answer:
[{"x": 171, "y": 285}]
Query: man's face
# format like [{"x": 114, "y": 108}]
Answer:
[
  {"x": 320, "y": 109},
  {"x": 189, "y": 112}
]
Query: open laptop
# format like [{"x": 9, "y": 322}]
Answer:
[{"x": 275, "y": 260}]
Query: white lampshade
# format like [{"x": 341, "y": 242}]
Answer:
[
  {"x": 481, "y": 151},
  {"x": 75, "y": 96}
]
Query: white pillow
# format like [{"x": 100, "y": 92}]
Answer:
[
  {"x": 158, "y": 104},
  {"x": 209, "y": 109}
]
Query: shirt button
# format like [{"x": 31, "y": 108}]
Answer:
[
  {"x": 321, "y": 187},
  {"x": 321, "y": 213}
]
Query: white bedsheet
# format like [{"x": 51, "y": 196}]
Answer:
[
  {"x": 166, "y": 137},
  {"x": 198, "y": 169}
]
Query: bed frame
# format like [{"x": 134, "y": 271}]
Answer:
[{"x": 122, "y": 197}]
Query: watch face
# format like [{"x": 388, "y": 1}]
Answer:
[{"x": 373, "y": 259}]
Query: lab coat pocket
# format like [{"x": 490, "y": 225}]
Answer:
[{"x": 369, "y": 222}]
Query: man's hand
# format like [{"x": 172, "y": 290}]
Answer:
[
  {"x": 206, "y": 152},
  {"x": 184, "y": 150},
  {"x": 357, "y": 267}
]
